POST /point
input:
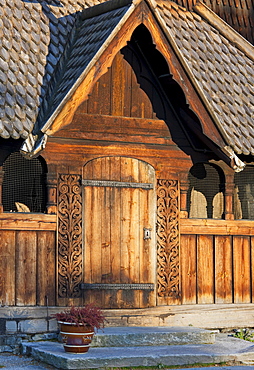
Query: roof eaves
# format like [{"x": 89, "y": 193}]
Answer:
[
  {"x": 225, "y": 29},
  {"x": 237, "y": 164},
  {"x": 102, "y": 8}
]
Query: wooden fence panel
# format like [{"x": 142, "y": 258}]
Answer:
[
  {"x": 7, "y": 267},
  {"x": 188, "y": 258},
  {"x": 205, "y": 268},
  {"x": 242, "y": 272},
  {"x": 224, "y": 263},
  {"x": 223, "y": 269},
  {"x": 46, "y": 269},
  {"x": 27, "y": 259},
  {"x": 26, "y": 268}
]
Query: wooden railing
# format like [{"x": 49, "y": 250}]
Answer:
[
  {"x": 216, "y": 261},
  {"x": 27, "y": 259}
]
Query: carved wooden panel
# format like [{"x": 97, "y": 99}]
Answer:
[
  {"x": 69, "y": 236},
  {"x": 168, "y": 238}
]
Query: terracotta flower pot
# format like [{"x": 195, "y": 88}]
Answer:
[{"x": 76, "y": 338}]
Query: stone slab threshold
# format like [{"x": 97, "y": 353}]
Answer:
[
  {"x": 151, "y": 336},
  {"x": 225, "y": 349}
]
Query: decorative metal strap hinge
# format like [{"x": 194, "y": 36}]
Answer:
[
  {"x": 141, "y": 286},
  {"x": 117, "y": 184}
]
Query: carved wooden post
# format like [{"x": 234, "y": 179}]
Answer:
[
  {"x": 229, "y": 189},
  {"x": 168, "y": 240},
  {"x": 1, "y": 188},
  {"x": 52, "y": 192},
  {"x": 184, "y": 187},
  {"x": 69, "y": 237}
]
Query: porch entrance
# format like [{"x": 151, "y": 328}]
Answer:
[{"x": 119, "y": 233}]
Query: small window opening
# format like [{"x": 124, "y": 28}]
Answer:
[
  {"x": 206, "y": 191},
  {"x": 243, "y": 204},
  {"x": 24, "y": 184}
]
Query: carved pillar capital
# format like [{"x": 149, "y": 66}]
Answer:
[
  {"x": 229, "y": 190},
  {"x": 184, "y": 187}
]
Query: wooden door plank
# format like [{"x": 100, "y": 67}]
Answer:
[
  {"x": 241, "y": 263},
  {"x": 26, "y": 258},
  {"x": 147, "y": 246},
  {"x": 7, "y": 268},
  {"x": 106, "y": 274},
  {"x": 223, "y": 270},
  {"x": 205, "y": 263},
  {"x": 46, "y": 268},
  {"x": 188, "y": 268}
]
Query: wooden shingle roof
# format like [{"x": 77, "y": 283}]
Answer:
[
  {"x": 48, "y": 47},
  {"x": 221, "y": 71},
  {"x": 239, "y": 14}
]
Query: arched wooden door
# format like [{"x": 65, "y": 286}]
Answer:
[{"x": 119, "y": 233}]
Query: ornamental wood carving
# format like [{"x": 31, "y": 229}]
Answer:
[
  {"x": 69, "y": 236},
  {"x": 168, "y": 238}
]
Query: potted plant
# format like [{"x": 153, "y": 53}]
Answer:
[{"x": 77, "y": 326}]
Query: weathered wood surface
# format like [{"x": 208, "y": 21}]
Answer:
[
  {"x": 27, "y": 221},
  {"x": 219, "y": 265},
  {"x": 114, "y": 247},
  {"x": 27, "y": 267},
  {"x": 217, "y": 227}
]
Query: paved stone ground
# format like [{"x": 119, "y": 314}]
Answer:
[{"x": 13, "y": 362}]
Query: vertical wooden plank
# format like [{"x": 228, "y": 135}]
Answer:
[
  {"x": 26, "y": 259},
  {"x": 223, "y": 270},
  {"x": 117, "y": 81},
  {"x": 104, "y": 93},
  {"x": 93, "y": 102},
  {"x": 241, "y": 263},
  {"x": 7, "y": 268},
  {"x": 106, "y": 275},
  {"x": 130, "y": 232},
  {"x": 188, "y": 268},
  {"x": 95, "y": 246},
  {"x": 148, "y": 254},
  {"x": 127, "y": 87},
  {"x": 46, "y": 268},
  {"x": 205, "y": 263}
]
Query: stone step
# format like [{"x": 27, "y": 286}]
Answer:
[
  {"x": 224, "y": 350},
  {"x": 151, "y": 336}
]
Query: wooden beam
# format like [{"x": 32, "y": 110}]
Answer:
[
  {"x": 216, "y": 227},
  {"x": 27, "y": 221}
]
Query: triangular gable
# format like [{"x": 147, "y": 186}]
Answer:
[
  {"x": 220, "y": 68},
  {"x": 119, "y": 31}
]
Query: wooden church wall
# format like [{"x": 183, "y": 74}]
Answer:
[
  {"x": 117, "y": 121},
  {"x": 195, "y": 261},
  {"x": 27, "y": 259}
]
